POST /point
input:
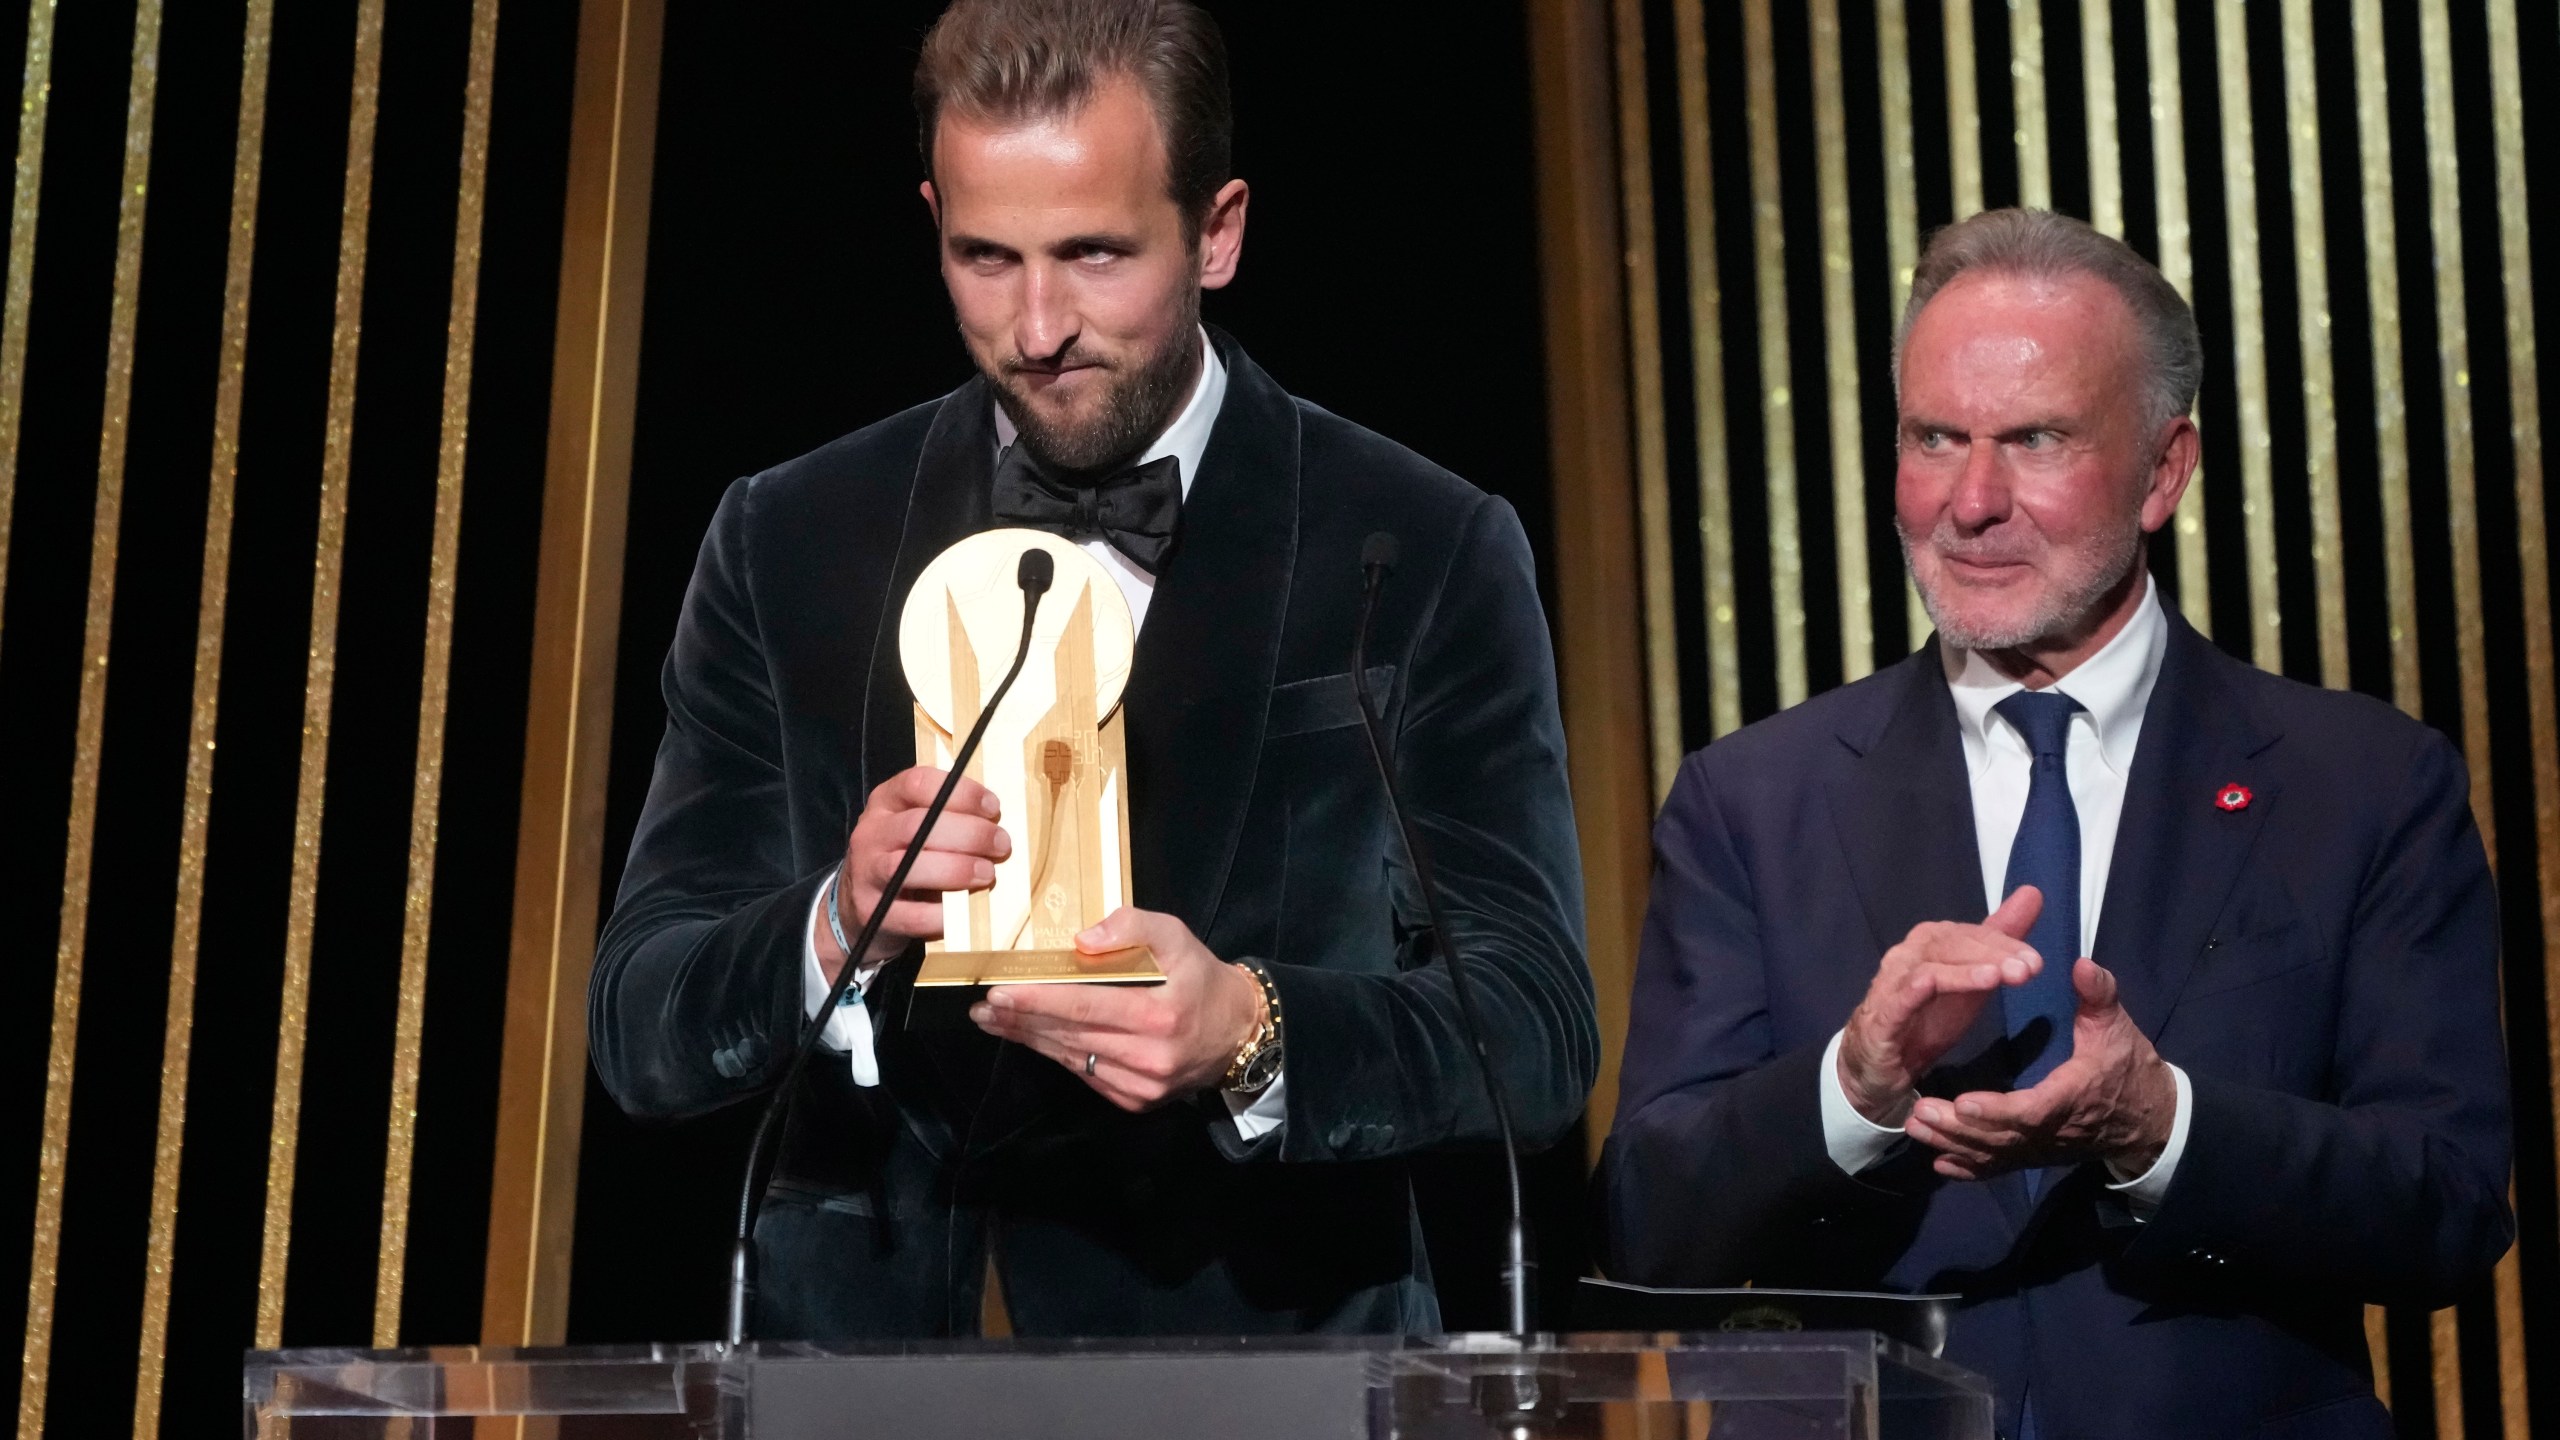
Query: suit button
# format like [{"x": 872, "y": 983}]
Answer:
[
  {"x": 726, "y": 1061},
  {"x": 1340, "y": 1137},
  {"x": 1381, "y": 1135}
]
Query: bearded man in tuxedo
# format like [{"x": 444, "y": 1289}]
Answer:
[
  {"x": 1227, "y": 1152},
  {"x": 2144, "y": 1000}
]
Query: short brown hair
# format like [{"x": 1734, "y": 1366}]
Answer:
[
  {"x": 1011, "y": 60},
  {"x": 2040, "y": 244}
]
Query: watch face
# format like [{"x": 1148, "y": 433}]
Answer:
[{"x": 1261, "y": 1070}]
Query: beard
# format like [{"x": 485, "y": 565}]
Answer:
[
  {"x": 1140, "y": 397},
  {"x": 2073, "y": 594}
]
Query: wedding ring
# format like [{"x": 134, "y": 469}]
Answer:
[{"x": 1089, "y": 1058}]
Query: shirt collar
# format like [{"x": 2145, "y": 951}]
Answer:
[
  {"x": 2113, "y": 686},
  {"x": 1187, "y": 438}
]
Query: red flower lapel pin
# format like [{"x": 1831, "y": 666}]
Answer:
[{"x": 2232, "y": 798}]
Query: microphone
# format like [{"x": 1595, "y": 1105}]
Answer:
[
  {"x": 1034, "y": 574},
  {"x": 1378, "y": 555}
]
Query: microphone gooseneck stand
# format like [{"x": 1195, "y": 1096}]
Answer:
[
  {"x": 1034, "y": 574},
  {"x": 1377, "y": 557}
]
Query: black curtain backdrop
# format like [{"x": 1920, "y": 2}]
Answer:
[{"x": 1390, "y": 274}]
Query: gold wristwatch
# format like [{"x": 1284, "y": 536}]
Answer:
[{"x": 1257, "y": 1061}]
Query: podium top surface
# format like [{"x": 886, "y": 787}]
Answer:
[{"x": 921, "y": 1383}]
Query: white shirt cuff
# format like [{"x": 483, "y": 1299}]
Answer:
[
  {"x": 1259, "y": 1115},
  {"x": 849, "y": 1029},
  {"x": 1856, "y": 1143},
  {"x": 2144, "y": 1192}
]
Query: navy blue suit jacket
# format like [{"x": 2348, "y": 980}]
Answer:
[{"x": 2322, "y": 963}]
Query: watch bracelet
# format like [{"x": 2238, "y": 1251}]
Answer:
[{"x": 1265, "y": 1036}]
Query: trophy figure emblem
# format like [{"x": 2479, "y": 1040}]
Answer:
[{"x": 1054, "y": 755}]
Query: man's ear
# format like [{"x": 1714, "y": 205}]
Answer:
[
  {"x": 2180, "y": 449},
  {"x": 932, "y": 204},
  {"x": 1222, "y": 235}
]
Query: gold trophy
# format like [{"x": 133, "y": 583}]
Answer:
[{"x": 1054, "y": 755}]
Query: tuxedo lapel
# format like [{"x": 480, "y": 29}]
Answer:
[
  {"x": 946, "y": 501},
  {"x": 1200, "y": 688},
  {"x": 2178, "y": 853},
  {"x": 1905, "y": 812}
]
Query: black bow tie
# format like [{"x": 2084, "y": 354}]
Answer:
[{"x": 1134, "y": 509}]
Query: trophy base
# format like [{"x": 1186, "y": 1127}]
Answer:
[{"x": 950, "y": 981}]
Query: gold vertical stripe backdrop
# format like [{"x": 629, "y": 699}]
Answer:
[
  {"x": 2390, "y": 397},
  {"x": 444, "y": 555},
  {"x": 2515, "y": 255},
  {"x": 33, "y": 104},
  {"x": 320, "y": 673},
  {"x": 1644, "y": 344},
  {"x": 1840, "y": 347},
  {"x": 2319, "y": 388},
  {"x": 2462, "y": 522},
  {"x": 2248, "y": 332},
  {"x": 88, "y": 740},
  {"x": 178, "y": 1035},
  {"x": 2033, "y": 136},
  {"x": 1706, "y": 344},
  {"x": 1777, "y": 392},
  {"x": 1964, "y": 106},
  {"x": 2098, "y": 87},
  {"x": 2293, "y": 66},
  {"x": 2177, "y": 263},
  {"x": 1901, "y": 216},
  {"x": 89, "y": 734}
]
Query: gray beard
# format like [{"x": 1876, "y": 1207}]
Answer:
[
  {"x": 1138, "y": 407},
  {"x": 2066, "y": 608}
]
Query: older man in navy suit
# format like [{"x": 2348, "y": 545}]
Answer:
[{"x": 2146, "y": 1001}]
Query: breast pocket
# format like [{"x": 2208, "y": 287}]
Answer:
[
  {"x": 2252, "y": 949},
  {"x": 1325, "y": 702}
]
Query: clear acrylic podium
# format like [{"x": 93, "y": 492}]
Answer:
[{"x": 1838, "y": 1385}]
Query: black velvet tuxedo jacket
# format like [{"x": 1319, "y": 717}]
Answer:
[
  {"x": 1255, "y": 817},
  {"x": 2322, "y": 963}
]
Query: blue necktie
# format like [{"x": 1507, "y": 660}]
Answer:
[{"x": 2046, "y": 854}]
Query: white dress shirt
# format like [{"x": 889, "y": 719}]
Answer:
[
  {"x": 1186, "y": 439},
  {"x": 2114, "y": 689}
]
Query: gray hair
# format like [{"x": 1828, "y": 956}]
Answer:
[{"x": 2043, "y": 245}]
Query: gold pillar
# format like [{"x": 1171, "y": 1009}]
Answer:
[
  {"x": 569, "y": 712},
  {"x": 1599, "y": 656}
]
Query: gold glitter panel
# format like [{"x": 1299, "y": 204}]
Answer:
[
  {"x": 2033, "y": 136},
  {"x": 2524, "y": 399},
  {"x": 33, "y": 103},
  {"x": 2390, "y": 396},
  {"x": 1840, "y": 348},
  {"x": 2453, "y": 376},
  {"x": 54, "y": 1157},
  {"x": 1901, "y": 214},
  {"x": 2098, "y": 84},
  {"x": 408, "y": 1032},
  {"x": 2248, "y": 332},
  {"x": 2319, "y": 392},
  {"x": 178, "y": 1036},
  {"x": 1964, "y": 108},
  {"x": 2177, "y": 262},
  {"x": 1644, "y": 347},
  {"x": 1777, "y": 400},
  {"x": 1706, "y": 348},
  {"x": 320, "y": 675}
]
